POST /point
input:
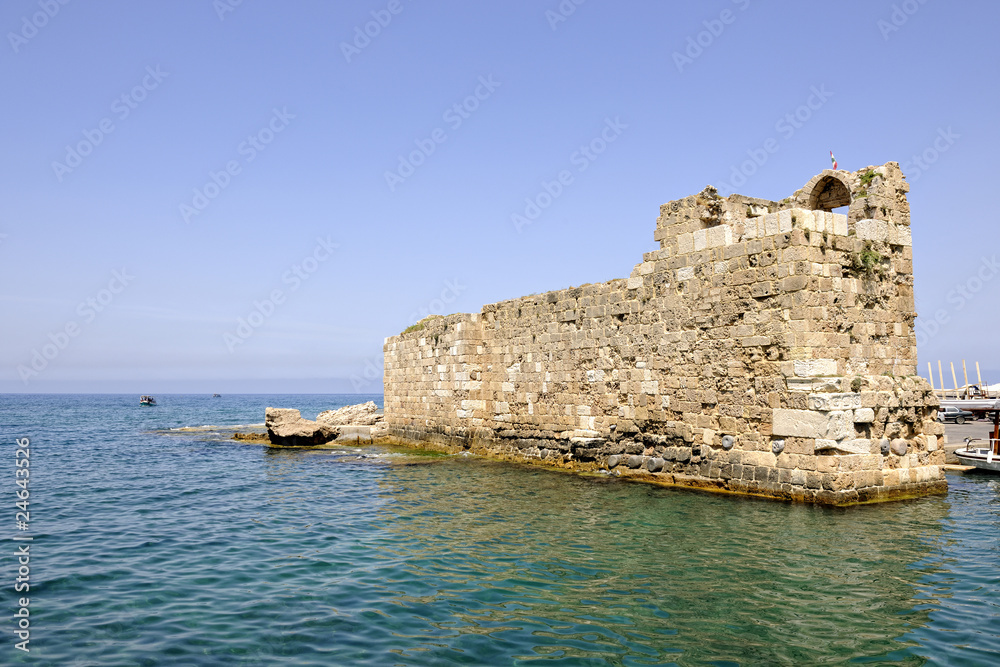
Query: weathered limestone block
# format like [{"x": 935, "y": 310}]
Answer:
[
  {"x": 799, "y": 423},
  {"x": 900, "y": 235},
  {"x": 840, "y": 226},
  {"x": 864, "y": 415},
  {"x": 856, "y": 446},
  {"x": 827, "y": 402},
  {"x": 872, "y": 230},
  {"x": 721, "y": 235},
  {"x": 841, "y": 425},
  {"x": 815, "y": 367}
]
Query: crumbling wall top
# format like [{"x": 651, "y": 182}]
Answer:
[{"x": 871, "y": 193}]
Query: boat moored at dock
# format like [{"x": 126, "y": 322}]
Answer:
[{"x": 983, "y": 456}]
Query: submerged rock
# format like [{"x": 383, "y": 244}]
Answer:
[
  {"x": 250, "y": 437},
  {"x": 287, "y": 428}
]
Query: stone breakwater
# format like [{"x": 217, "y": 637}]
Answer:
[{"x": 766, "y": 348}]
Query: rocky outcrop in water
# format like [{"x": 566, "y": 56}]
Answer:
[
  {"x": 287, "y": 428},
  {"x": 362, "y": 414}
]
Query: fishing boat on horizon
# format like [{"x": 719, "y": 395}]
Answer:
[{"x": 147, "y": 400}]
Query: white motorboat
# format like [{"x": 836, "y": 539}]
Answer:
[{"x": 984, "y": 455}]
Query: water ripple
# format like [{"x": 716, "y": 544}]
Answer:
[{"x": 178, "y": 547}]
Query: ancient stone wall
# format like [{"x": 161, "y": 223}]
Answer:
[{"x": 766, "y": 348}]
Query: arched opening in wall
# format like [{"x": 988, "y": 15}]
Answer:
[{"x": 829, "y": 193}]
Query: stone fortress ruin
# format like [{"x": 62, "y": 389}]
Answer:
[{"x": 766, "y": 348}]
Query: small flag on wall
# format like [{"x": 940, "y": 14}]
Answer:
[{"x": 833, "y": 160}]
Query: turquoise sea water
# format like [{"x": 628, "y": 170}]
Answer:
[{"x": 160, "y": 547}]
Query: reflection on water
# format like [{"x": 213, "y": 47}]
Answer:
[
  {"x": 181, "y": 548},
  {"x": 577, "y": 567}
]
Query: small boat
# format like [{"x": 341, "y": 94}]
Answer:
[
  {"x": 216, "y": 395},
  {"x": 147, "y": 400},
  {"x": 983, "y": 456}
]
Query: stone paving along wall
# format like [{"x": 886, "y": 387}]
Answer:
[{"x": 766, "y": 348}]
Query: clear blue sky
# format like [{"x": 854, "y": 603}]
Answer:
[{"x": 300, "y": 130}]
